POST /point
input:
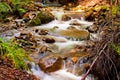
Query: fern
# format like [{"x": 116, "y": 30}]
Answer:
[
  {"x": 15, "y": 53},
  {"x": 4, "y": 9}
]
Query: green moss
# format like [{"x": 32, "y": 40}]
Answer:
[
  {"x": 41, "y": 18},
  {"x": 35, "y": 22},
  {"x": 104, "y": 7},
  {"x": 45, "y": 16},
  {"x": 114, "y": 10}
]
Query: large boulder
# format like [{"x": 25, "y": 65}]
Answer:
[
  {"x": 41, "y": 18},
  {"x": 75, "y": 34},
  {"x": 45, "y": 16},
  {"x": 50, "y": 63}
]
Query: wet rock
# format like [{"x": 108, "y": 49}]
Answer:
[
  {"x": 43, "y": 32},
  {"x": 50, "y": 63},
  {"x": 41, "y": 18},
  {"x": 35, "y": 22},
  {"x": 49, "y": 40},
  {"x": 43, "y": 49},
  {"x": 93, "y": 28},
  {"x": 75, "y": 33},
  {"x": 66, "y": 17},
  {"x": 26, "y": 40},
  {"x": 60, "y": 39},
  {"x": 81, "y": 48},
  {"x": 75, "y": 22},
  {"x": 73, "y": 15},
  {"x": 71, "y": 27},
  {"x": 45, "y": 16}
]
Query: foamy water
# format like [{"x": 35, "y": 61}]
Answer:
[
  {"x": 62, "y": 74},
  {"x": 64, "y": 24}
]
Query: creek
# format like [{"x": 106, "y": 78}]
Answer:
[
  {"x": 67, "y": 34},
  {"x": 72, "y": 35}
]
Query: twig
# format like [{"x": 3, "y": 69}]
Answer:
[
  {"x": 84, "y": 76},
  {"x": 113, "y": 65}
]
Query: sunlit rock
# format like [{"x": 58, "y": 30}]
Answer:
[
  {"x": 90, "y": 3},
  {"x": 50, "y": 63},
  {"x": 73, "y": 15},
  {"x": 95, "y": 12},
  {"x": 75, "y": 33}
]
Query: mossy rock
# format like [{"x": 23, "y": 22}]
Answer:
[
  {"x": 45, "y": 17},
  {"x": 97, "y": 11},
  {"x": 35, "y": 22},
  {"x": 41, "y": 18}
]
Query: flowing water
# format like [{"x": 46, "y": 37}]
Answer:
[
  {"x": 65, "y": 43},
  {"x": 67, "y": 34}
]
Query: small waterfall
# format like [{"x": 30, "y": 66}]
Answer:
[
  {"x": 36, "y": 70},
  {"x": 61, "y": 74},
  {"x": 58, "y": 75}
]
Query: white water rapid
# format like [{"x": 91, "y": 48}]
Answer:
[
  {"x": 62, "y": 74},
  {"x": 55, "y": 26}
]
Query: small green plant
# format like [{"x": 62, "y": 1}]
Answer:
[
  {"x": 14, "y": 53},
  {"x": 13, "y": 7},
  {"x": 17, "y": 6},
  {"x": 4, "y": 9},
  {"x": 116, "y": 48}
]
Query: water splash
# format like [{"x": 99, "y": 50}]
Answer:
[{"x": 62, "y": 74}]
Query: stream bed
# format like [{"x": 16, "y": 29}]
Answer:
[{"x": 61, "y": 46}]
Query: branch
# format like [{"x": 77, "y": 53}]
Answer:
[{"x": 84, "y": 76}]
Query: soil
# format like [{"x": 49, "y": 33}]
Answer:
[{"x": 7, "y": 72}]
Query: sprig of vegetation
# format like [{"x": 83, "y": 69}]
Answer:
[
  {"x": 14, "y": 53},
  {"x": 116, "y": 48},
  {"x": 4, "y": 9}
]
